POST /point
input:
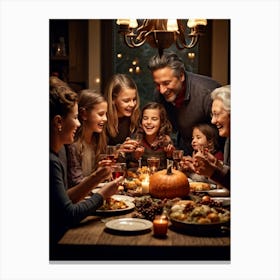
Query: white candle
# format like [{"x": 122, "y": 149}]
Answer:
[{"x": 145, "y": 186}]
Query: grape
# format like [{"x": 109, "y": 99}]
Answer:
[{"x": 148, "y": 207}]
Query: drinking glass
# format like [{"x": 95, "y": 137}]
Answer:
[
  {"x": 118, "y": 169},
  {"x": 177, "y": 155},
  {"x": 153, "y": 164},
  {"x": 111, "y": 152},
  {"x": 139, "y": 148}
]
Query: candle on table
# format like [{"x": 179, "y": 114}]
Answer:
[
  {"x": 145, "y": 185},
  {"x": 160, "y": 225}
]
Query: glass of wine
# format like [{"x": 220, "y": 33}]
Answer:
[
  {"x": 139, "y": 150},
  {"x": 103, "y": 160},
  {"x": 177, "y": 156},
  {"x": 153, "y": 164},
  {"x": 118, "y": 170},
  {"x": 111, "y": 152}
]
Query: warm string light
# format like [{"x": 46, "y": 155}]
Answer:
[
  {"x": 135, "y": 68},
  {"x": 191, "y": 55}
]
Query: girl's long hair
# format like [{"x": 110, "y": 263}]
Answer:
[
  {"x": 165, "y": 125},
  {"x": 117, "y": 83},
  {"x": 88, "y": 99}
]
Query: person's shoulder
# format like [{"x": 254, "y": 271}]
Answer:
[
  {"x": 53, "y": 157},
  {"x": 201, "y": 78},
  {"x": 54, "y": 161},
  {"x": 200, "y": 84}
]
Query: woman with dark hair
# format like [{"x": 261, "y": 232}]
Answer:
[{"x": 63, "y": 124}]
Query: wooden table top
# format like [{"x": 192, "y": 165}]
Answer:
[{"x": 93, "y": 241}]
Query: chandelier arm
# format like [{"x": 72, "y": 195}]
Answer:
[
  {"x": 127, "y": 40},
  {"x": 182, "y": 45},
  {"x": 130, "y": 41}
]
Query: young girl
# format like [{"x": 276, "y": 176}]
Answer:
[
  {"x": 123, "y": 108},
  {"x": 204, "y": 138},
  {"x": 90, "y": 139},
  {"x": 154, "y": 129},
  {"x": 64, "y": 213}
]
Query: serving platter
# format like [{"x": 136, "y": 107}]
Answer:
[
  {"x": 225, "y": 201},
  {"x": 129, "y": 225},
  {"x": 200, "y": 229},
  {"x": 199, "y": 217},
  {"x": 215, "y": 192}
]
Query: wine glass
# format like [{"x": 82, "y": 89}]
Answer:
[
  {"x": 111, "y": 152},
  {"x": 153, "y": 164},
  {"x": 118, "y": 170},
  {"x": 139, "y": 150},
  {"x": 177, "y": 156}
]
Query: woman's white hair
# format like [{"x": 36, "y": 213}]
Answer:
[{"x": 223, "y": 94}]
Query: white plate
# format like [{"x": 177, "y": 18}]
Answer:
[
  {"x": 123, "y": 197},
  {"x": 129, "y": 224},
  {"x": 117, "y": 196},
  {"x": 117, "y": 211}
]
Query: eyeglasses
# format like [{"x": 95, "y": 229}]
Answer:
[{"x": 216, "y": 115}]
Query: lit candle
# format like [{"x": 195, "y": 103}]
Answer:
[
  {"x": 145, "y": 185},
  {"x": 160, "y": 225}
]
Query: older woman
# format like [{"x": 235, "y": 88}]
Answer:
[{"x": 204, "y": 162}]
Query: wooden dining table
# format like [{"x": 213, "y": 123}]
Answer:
[{"x": 92, "y": 241}]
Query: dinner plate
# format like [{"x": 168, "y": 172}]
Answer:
[
  {"x": 118, "y": 196},
  {"x": 130, "y": 206},
  {"x": 129, "y": 224},
  {"x": 123, "y": 197}
]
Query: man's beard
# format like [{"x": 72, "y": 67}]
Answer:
[{"x": 170, "y": 96}]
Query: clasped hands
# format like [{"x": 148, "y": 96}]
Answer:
[
  {"x": 202, "y": 162},
  {"x": 132, "y": 146}
]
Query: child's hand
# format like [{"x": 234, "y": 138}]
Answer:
[
  {"x": 169, "y": 150},
  {"x": 128, "y": 146},
  {"x": 187, "y": 164},
  {"x": 202, "y": 164},
  {"x": 139, "y": 152}
]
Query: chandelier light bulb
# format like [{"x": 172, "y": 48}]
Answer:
[
  {"x": 133, "y": 23},
  {"x": 172, "y": 25}
]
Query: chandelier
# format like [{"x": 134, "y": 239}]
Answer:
[{"x": 162, "y": 33}]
